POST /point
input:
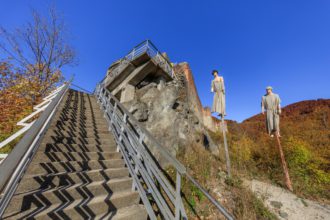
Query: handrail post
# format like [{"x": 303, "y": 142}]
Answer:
[
  {"x": 122, "y": 130},
  {"x": 114, "y": 110},
  {"x": 107, "y": 104},
  {"x": 133, "y": 53},
  {"x": 147, "y": 47},
  {"x": 112, "y": 116},
  {"x": 108, "y": 109},
  {"x": 178, "y": 196}
]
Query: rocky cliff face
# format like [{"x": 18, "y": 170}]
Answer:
[{"x": 172, "y": 114}]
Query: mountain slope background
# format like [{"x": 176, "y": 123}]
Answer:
[{"x": 305, "y": 130}]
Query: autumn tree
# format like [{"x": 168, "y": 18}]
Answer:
[
  {"x": 39, "y": 50},
  {"x": 13, "y": 103},
  {"x": 31, "y": 61}
]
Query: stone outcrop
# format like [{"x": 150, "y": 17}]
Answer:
[{"x": 172, "y": 112}]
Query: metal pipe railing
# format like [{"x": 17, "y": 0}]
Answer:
[
  {"x": 16, "y": 163},
  {"x": 148, "y": 177},
  {"x": 144, "y": 47},
  {"x": 136, "y": 144},
  {"x": 210, "y": 198},
  {"x": 148, "y": 47}
]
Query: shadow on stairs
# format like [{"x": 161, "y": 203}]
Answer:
[{"x": 77, "y": 172}]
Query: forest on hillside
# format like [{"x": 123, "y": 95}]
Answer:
[{"x": 305, "y": 130}]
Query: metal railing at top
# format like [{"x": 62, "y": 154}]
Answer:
[
  {"x": 149, "y": 179},
  {"x": 148, "y": 47},
  {"x": 144, "y": 47},
  {"x": 123, "y": 63},
  {"x": 16, "y": 163}
]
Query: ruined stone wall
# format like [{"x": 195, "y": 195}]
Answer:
[
  {"x": 209, "y": 121},
  {"x": 193, "y": 97},
  {"x": 203, "y": 114}
]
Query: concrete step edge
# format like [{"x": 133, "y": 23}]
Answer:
[
  {"x": 75, "y": 186},
  {"x": 78, "y": 172}
]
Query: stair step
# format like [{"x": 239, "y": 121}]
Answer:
[
  {"x": 75, "y": 156},
  {"x": 73, "y": 166},
  {"x": 136, "y": 212},
  {"x": 37, "y": 182},
  {"x": 77, "y": 140},
  {"x": 83, "y": 116},
  {"x": 62, "y": 147},
  {"x": 69, "y": 134},
  {"x": 78, "y": 111},
  {"x": 81, "y": 208},
  {"x": 58, "y": 124},
  {"x": 73, "y": 128},
  {"x": 89, "y": 209},
  {"x": 77, "y": 172},
  {"x": 80, "y": 115},
  {"x": 87, "y": 109},
  {"x": 79, "y": 132},
  {"x": 89, "y": 120},
  {"x": 82, "y": 106},
  {"x": 70, "y": 192},
  {"x": 102, "y": 123}
]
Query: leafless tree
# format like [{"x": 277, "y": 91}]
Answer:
[{"x": 40, "y": 50}]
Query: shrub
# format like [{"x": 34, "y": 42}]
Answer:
[
  {"x": 305, "y": 167},
  {"x": 241, "y": 151}
]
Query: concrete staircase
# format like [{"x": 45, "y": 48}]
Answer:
[{"x": 76, "y": 172}]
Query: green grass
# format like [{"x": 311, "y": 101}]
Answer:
[
  {"x": 9, "y": 147},
  {"x": 261, "y": 211}
]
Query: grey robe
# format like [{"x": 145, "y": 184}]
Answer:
[
  {"x": 271, "y": 104},
  {"x": 219, "y": 105}
]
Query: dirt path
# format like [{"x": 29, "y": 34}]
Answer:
[{"x": 287, "y": 205}]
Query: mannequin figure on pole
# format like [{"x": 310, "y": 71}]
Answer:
[{"x": 219, "y": 106}]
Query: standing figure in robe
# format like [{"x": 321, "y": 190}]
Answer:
[
  {"x": 270, "y": 103},
  {"x": 218, "y": 88}
]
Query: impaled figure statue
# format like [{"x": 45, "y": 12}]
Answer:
[
  {"x": 218, "y": 87},
  {"x": 270, "y": 103}
]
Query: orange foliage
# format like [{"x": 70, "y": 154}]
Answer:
[
  {"x": 305, "y": 130},
  {"x": 19, "y": 91}
]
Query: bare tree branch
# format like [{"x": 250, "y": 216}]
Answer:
[{"x": 39, "y": 49}]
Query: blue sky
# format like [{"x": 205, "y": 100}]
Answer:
[{"x": 255, "y": 43}]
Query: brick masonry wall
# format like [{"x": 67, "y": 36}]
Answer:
[{"x": 204, "y": 114}]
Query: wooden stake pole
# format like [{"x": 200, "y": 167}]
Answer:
[
  {"x": 285, "y": 168},
  {"x": 226, "y": 147}
]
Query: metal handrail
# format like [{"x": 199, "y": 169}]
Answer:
[
  {"x": 135, "y": 143},
  {"x": 16, "y": 163},
  {"x": 144, "y": 47},
  {"x": 115, "y": 72},
  {"x": 147, "y": 176},
  {"x": 148, "y": 47},
  {"x": 151, "y": 45}
]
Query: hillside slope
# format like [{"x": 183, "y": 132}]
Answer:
[{"x": 305, "y": 130}]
